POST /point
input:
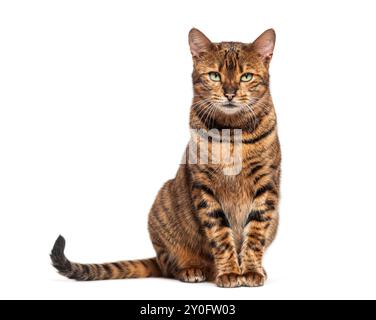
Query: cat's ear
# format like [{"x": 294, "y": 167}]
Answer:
[
  {"x": 198, "y": 42},
  {"x": 264, "y": 45}
]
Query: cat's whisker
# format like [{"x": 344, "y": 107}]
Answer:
[
  {"x": 216, "y": 111},
  {"x": 212, "y": 115},
  {"x": 205, "y": 112},
  {"x": 252, "y": 113},
  {"x": 200, "y": 101},
  {"x": 203, "y": 105},
  {"x": 211, "y": 106}
]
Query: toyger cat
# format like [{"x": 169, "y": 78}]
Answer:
[{"x": 206, "y": 225}]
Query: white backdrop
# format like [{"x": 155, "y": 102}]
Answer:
[{"x": 94, "y": 104}]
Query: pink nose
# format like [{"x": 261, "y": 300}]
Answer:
[{"x": 230, "y": 96}]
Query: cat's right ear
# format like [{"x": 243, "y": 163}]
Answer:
[
  {"x": 264, "y": 45},
  {"x": 198, "y": 42}
]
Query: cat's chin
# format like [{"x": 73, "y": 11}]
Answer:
[{"x": 230, "y": 110}]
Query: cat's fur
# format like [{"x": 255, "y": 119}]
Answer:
[{"x": 205, "y": 225}]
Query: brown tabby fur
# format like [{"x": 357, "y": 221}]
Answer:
[{"x": 205, "y": 225}]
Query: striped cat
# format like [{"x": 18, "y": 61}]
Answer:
[{"x": 206, "y": 225}]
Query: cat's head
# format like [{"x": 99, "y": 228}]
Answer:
[{"x": 230, "y": 77}]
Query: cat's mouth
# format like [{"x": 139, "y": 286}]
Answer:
[{"x": 230, "y": 107}]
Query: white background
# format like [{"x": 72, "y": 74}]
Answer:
[{"x": 94, "y": 104}]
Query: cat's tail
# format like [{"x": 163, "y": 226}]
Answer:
[{"x": 108, "y": 271}]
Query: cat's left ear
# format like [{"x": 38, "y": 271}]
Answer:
[
  {"x": 198, "y": 42},
  {"x": 264, "y": 45}
]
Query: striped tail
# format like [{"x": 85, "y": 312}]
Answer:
[{"x": 108, "y": 271}]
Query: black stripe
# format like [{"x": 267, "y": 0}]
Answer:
[
  {"x": 208, "y": 225},
  {"x": 259, "y": 192},
  {"x": 255, "y": 169},
  {"x": 224, "y": 237},
  {"x": 86, "y": 269},
  {"x": 119, "y": 266},
  {"x": 260, "y": 137},
  {"x": 254, "y": 248},
  {"x": 213, "y": 244},
  {"x": 133, "y": 264},
  {"x": 108, "y": 269},
  {"x": 253, "y": 236},
  {"x": 208, "y": 172},
  {"x": 87, "y": 274},
  {"x": 223, "y": 248},
  {"x": 204, "y": 188},
  {"x": 98, "y": 271},
  {"x": 270, "y": 204},
  {"x": 144, "y": 264},
  {"x": 202, "y": 205},
  {"x": 258, "y": 178},
  {"x": 256, "y": 215},
  {"x": 220, "y": 215},
  {"x": 248, "y": 165}
]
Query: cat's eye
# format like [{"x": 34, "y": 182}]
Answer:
[
  {"x": 246, "y": 77},
  {"x": 215, "y": 76}
]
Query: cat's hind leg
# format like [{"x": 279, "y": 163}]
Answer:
[
  {"x": 191, "y": 275},
  {"x": 189, "y": 267},
  {"x": 178, "y": 266}
]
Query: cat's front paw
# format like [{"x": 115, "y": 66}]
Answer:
[
  {"x": 230, "y": 280},
  {"x": 255, "y": 278}
]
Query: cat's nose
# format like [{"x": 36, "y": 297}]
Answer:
[{"x": 230, "y": 96}]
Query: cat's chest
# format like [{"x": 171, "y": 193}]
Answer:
[{"x": 235, "y": 197}]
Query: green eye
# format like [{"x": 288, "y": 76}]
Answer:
[
  {"x": 246, "y": 77},
  {"x": 215, "y": 76}
]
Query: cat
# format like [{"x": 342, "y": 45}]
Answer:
[{"x": 206, "y": 225}]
